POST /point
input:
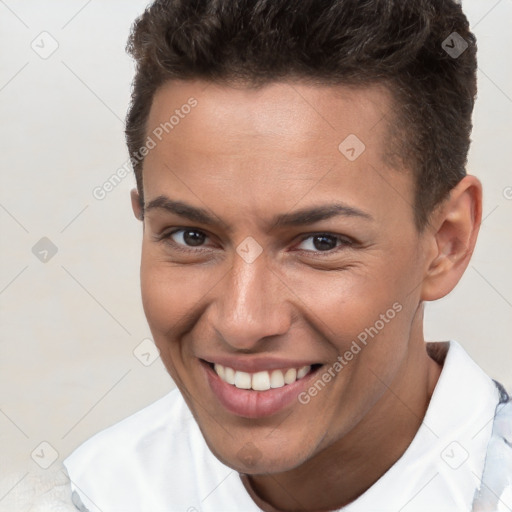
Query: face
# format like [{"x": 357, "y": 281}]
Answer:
[{"x": 269, "y": 248}]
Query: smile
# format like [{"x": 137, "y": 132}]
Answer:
[
  {"x": 259, "y": 393},
  {"x": 262, "y": 380}
]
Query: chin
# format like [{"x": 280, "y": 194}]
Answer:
[{"x": 254, "y": 460}]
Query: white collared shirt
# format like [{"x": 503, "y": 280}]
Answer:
[{"x": 157, "y": 459}]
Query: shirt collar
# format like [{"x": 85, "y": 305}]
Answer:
[{"x": 446, "y": 457}]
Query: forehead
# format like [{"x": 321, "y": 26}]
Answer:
[
  {"x": 279, "y": 141},
  {"x": 293, "y": 114}
]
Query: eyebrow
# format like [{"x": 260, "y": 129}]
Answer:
[{"x": 300, "y": 217}]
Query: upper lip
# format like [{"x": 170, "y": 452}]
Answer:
[{"x": 253, "y": 364}]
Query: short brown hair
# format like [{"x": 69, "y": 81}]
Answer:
[{"x": 400, "y": 43}]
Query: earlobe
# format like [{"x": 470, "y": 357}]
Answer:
[
  {"x": 136, "y": 204},
  {"x": 456, "y": 225}
]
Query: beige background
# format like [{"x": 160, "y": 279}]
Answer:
[{"x": 69, "y": 327}]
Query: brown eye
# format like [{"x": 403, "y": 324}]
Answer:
[
  {"x": 324, "y": 242},
  {"x": 184, "y": 238},
  {"x": 192, "y": 237}
]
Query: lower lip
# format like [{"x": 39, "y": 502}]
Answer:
[{"x": 255, "y": 404}]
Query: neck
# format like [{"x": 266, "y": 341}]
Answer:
[{"x": 345, "y": 470}]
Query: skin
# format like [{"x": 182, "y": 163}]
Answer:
[{"x": 245, "y": 155}]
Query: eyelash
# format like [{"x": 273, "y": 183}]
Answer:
[{"x": 344, "y": 242}]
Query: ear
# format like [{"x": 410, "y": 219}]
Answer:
[
  {"x": 454, "y": 230},
  {"x": 136, "y": 204}
]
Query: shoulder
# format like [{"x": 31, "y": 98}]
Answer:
[
  {"x": 155, "y": 459},
  {"x": 157, "y": 419},
  {"x": 496, "y": 482},
  {"x": 122, "y": 448},
  {"x": 166, "y": 413},
  {"x": 114, "y": 466}
]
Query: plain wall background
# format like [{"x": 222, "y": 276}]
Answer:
[{"x": 69, "y": 326}]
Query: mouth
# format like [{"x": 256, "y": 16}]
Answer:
[
  {"x": 257, "y": 394},
  {"x": 262, "y": 380}
]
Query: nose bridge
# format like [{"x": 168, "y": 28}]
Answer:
[{"x": 251, "y": 304}]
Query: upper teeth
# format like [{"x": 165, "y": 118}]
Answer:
[{"x": 260, "y": 381}]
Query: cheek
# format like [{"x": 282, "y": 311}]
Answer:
[
  {"x": 365, "y": 313},
  {"x": 172, "y": 294},
  {"x": 168, "y": 298},
  {"x": 164, "y": 297},
  {"x": 159, "y": 297},
  {"x": 343, "y": 303}
]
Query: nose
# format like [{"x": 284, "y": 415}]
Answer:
[{"x": 251, "y": 305}]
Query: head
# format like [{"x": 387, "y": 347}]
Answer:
[{"x": 317, "y": 152}]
